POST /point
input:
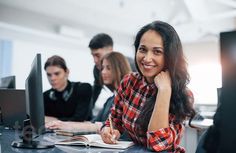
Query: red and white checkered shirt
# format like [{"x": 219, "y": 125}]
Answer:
[{"x": 131, "y": 96}]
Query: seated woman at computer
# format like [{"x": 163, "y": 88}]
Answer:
[
  {"x": 66, "y": 100},
  {"x": 114, "y": 67},
  {"x": 152, "y": 104}
]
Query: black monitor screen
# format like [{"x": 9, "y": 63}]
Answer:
[
  {"x": 226, "y": 121},
  {"x": 34, "y": 96},
  {"x": 228, "y": 57},
  {"x": 8, "y": 82},
  {"x": 34, "y": 110},
  {"x": 12, "y": 107}
]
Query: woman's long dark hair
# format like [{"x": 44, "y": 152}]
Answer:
[{"x": 180, "y": 105}]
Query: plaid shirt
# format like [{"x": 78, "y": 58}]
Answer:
[{"x": 131, "y": 96}]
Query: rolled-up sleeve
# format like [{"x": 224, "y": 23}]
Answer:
[
  {"x": 166, "y": 138},
  {"x": 117, "y": 109}
]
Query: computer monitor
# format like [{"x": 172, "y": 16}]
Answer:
[
  {"x": 228, "y": 58},
  {"x": 227, "y": 121},
  {"x": 12, "y": 107},
  {"x": 8, "y": 82},
  {"x": 34, "y": 108},
  {"x": 34, "y": 96}
]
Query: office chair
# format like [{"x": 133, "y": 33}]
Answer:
[{"x": 201, "y": 142}]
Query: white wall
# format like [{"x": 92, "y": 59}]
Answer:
[
  {"x": 33, "y": 33},
  {"x": 205, "y": 70},
  {"x": 28, "y": 42},
  {"x": 79, "y": 61}
]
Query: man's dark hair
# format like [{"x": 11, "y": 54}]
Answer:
[{"x": 100, "y": 40}]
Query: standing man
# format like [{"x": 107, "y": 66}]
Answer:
[{"x": 100, "y": 45}]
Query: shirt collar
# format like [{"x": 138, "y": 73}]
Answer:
[
  {"x": 146, "y": 84},
  {"x": 68, "y": 87}
]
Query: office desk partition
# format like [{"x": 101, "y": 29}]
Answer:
[{"x": 7, "y": 136}]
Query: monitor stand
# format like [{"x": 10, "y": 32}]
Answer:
[{"x": 28, "y": 141}]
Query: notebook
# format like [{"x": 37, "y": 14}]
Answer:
[
  {"x": 73, "y": 132},
  {"x": 94, "y": 140}
]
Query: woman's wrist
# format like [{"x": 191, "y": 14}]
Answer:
[
  {"x": 98, "y": 126},
  {"x": 165, "y": 89}
]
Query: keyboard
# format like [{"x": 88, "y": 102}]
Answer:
[{"x": 201, "y": 122}]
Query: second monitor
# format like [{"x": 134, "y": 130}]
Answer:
[
  {"x": 12, "y": 106},
  {"x": 8, "y": 82}
]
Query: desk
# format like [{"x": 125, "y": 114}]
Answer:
[
  {"x": 191, "y": 136},
  {"x": 9, "y": 135},
  {"x": 202, "y": 124}
]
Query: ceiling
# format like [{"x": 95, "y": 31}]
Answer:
[{"x": 194, "y": 20}]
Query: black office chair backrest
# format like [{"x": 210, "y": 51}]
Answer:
[{"x": 201, "y": 142}]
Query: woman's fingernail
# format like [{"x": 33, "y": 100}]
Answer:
[{"x": 113, "y": 138}]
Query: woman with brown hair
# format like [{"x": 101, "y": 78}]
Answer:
[
  {"x": 114, "y": 67},
  {"x": 151, "y": 105}
]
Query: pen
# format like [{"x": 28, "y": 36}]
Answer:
[{"x": 112, "y": 130}]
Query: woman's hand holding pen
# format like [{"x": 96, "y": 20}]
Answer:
[{"x": 110, "y": 136}]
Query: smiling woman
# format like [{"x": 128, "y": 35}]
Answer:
[
  {"x": 150, "y": 55},
  {"x": 151, "y": 105}
]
